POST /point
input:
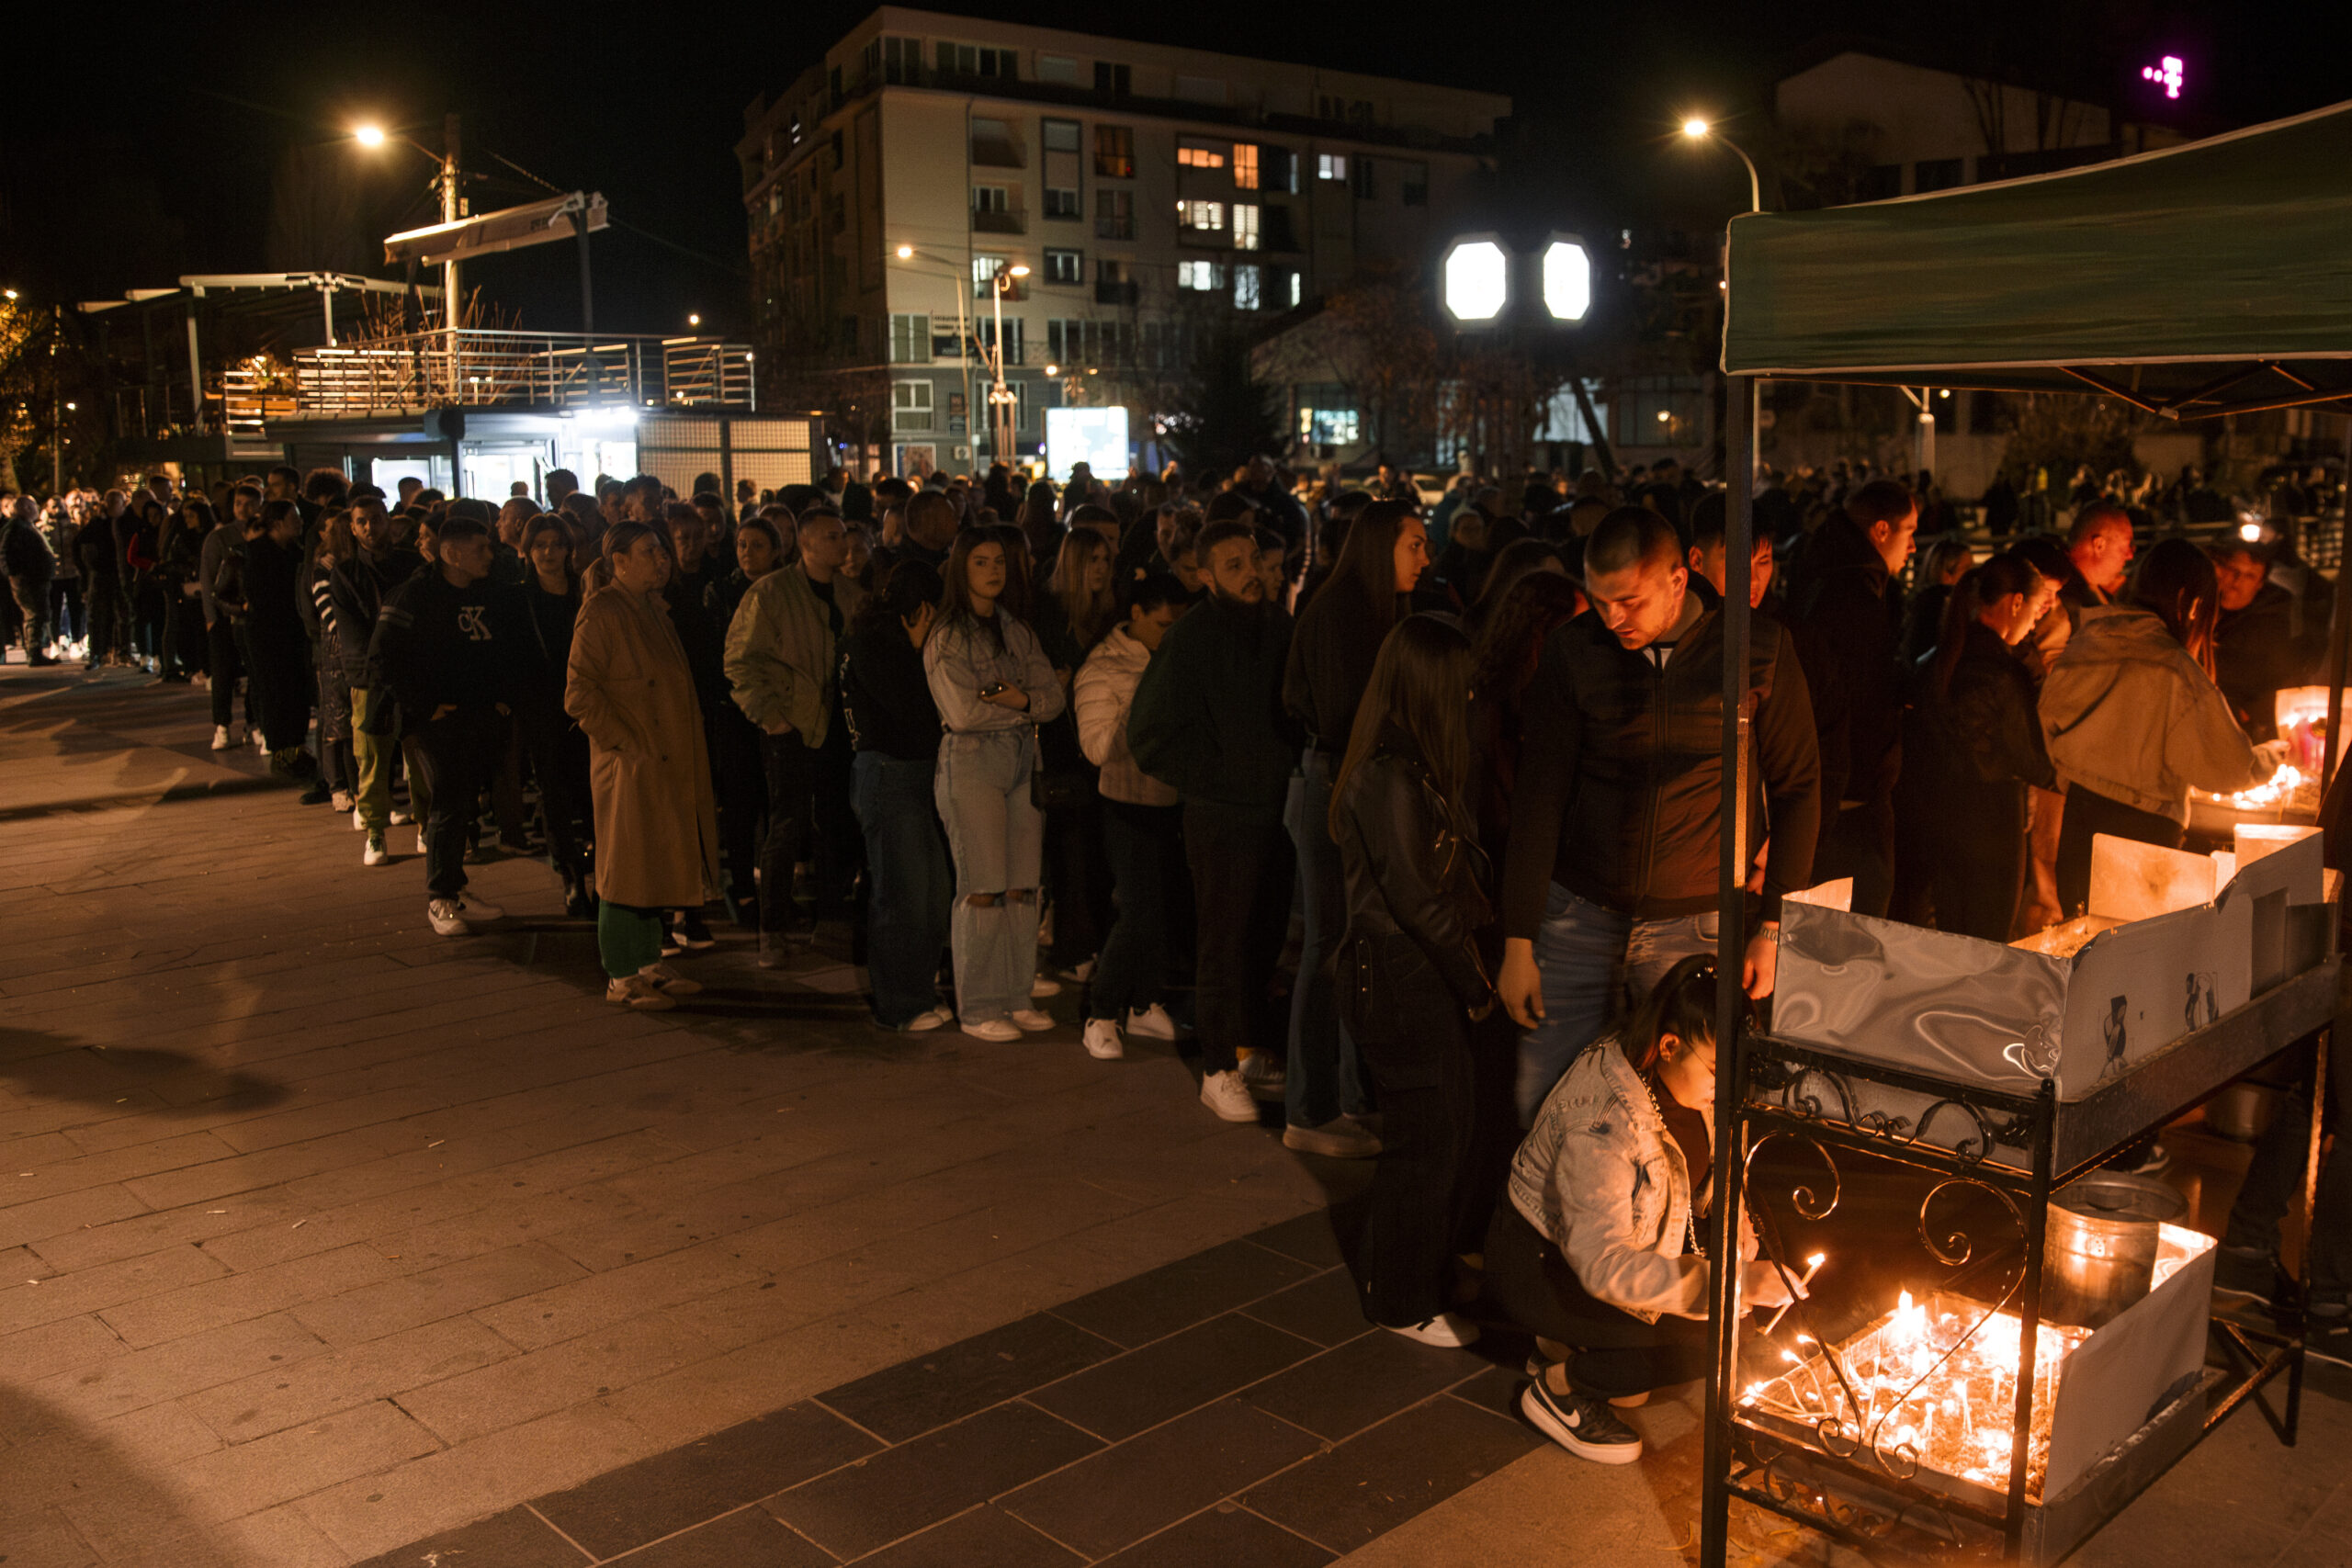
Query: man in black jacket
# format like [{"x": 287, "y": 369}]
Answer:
[
  {"x": 31, "y": 567},
  {"x": 448, "y": 656},
  {"x": 357, "y": 589},
  {"x": 1851, "y": 602},
  {"x": 1207, "y": 719},
  {"x": 1617, "y": 819},
  {"x": 2255, "y": 656},
  {"x": 279, "y": 644},
  {"x": 100, "y": 552}
]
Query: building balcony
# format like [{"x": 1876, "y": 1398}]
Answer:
[
  {"x": 985, "y": 221},
  {"x": 427, "y": 370}
]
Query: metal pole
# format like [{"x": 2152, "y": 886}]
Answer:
[
  {"x": 326, "y": 304},
  {"x": 194, "y": 372},
  {"x": 998, "y": 393},
  {"x": 450, "y": 267},
  {"x": 587, "y": 295},
  {"x": 1731, "y": 945},
  {"x": 57, "y": 405}
]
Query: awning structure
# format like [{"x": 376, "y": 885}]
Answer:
[
  {"x": 512, "y": 229},
  {"x": 2211, "y": 279}
]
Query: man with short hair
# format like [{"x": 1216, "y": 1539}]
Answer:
[
  {"x": 357, "y": 588},
  {"x": 1851, "y": 602},
  {"x": 448, "y": 659},
  {"x": 1276, "y": 506},
  {"x": 782, "y": 662},
  {"x": 2100, "y": 546},
  {"x": 560, "y": 482},
  {"x": 31, "y": 567},
  {"x": 2255, "y": 656},
  {"x": 410, "y": 488},
  {"x": 1611, "y": 874},
  {"x": 1207, "y": 718}
]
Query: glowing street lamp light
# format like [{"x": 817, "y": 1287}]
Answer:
[
  {"x": 1568, "y": 280},
  {"x": 368, "y": 135},
  {"x": 1698, "y": 130},
  {"x": 1476, "y": 276}
]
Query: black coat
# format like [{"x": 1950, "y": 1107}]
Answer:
[
  {"x": 1331, "y": 653},
  {"x": 1854, "y": 607},
  {"x": 2255, "y": 657}
]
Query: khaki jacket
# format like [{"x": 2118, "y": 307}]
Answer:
[
  {"x": 1604, "y": 1181},
  {"x": 2129, "y": 715},
  {"x": 781, "y": 659},
  {"x": 628, "y": 686}
]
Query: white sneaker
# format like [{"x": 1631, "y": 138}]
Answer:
[
  {"x": 923, "y": 1023},
  {"x": 1045, "y": 986},
  {"x": 401, "y": 818},
  {"x": 668, "y": 981},
  {"x": 449, "y": 917},
  {"x": 1102, "y": 1040},
  {"x": 220, "y": 741},
  {"x": 420, "y": 841},
  {"x": 358, "y": 823},
  {"x": 374, "y": 853},
  {"x": 340, "y": 801},
  {"x": 479, "y": 911},
  {"x": 1445, "y": 1331},
  {"x": 636, "y": 991},
  {"x": 1152, "y": 1024},
  {"x": 996, "y": 1029},
  {"x": 1033, "y": 1020},
  {"x": 1225, "y": 1094}
]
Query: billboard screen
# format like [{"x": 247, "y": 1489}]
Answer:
[{"x": 1097, "y": 437}]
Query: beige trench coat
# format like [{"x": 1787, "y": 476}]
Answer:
[{"x": 630, "y": 688}]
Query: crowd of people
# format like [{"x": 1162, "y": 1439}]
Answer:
[{"x": 1409, "y": 816}]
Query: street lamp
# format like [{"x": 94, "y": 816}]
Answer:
[
  {"x": 1001, "y": 430},
  {"x": 1697, "y": 129},
  {"x": 445, "y": 181},
  {"x": 693, "y": 320}
]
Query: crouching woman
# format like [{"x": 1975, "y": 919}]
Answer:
[{"x": 1601, "y": 1248}]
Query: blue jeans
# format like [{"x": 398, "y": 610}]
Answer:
[
  {"x": 1588, "y": 954},
  {"x": 996, "y": 834},
  {"x": 1324, "y": 1076},
  {"x": 1140, "y": 842},
  {"x": 913, "y": 888}
]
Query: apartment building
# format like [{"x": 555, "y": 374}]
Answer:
[{"x": 1127, "y": 195}]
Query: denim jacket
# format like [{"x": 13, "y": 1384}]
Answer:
[{"x": 1601, "y": 1179}]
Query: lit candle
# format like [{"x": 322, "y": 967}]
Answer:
[{"x": 1811, "y": 1266}]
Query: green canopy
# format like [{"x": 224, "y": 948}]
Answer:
[{"x": 2209, "y": 278}]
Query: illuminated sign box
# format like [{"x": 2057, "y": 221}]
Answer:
[{"x": 1097, "y": 437}]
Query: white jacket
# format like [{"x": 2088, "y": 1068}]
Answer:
[
  {"x": 1104, "y": 690},
  {"x": 2129, "y": 715},
  {"x": 1604, "y": 1181}
]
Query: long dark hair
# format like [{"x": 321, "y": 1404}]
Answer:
[
  {"x": 955, "y": 594},
  {"x": 550, "y": 522},
  {"x": 2176, "y": 579},
  {"x": 1979, "y": 588},
  {"x": 1368, "y": 559},
  {"x": 1089, "y": 616},
  {"x": 1422, "y": 683},
  {"x": 1512, "y": 641},
  {"x": 1681, "y": 1004},
  {"x": 1520, "y": 559}
]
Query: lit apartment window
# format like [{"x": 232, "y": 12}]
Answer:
[
  {"x": 910, "y": 339},
  {"x": 1194, "y": 217},
  {"x": 1297, "y": 289},
  {"x": 984, "y": 271},
  {"x": 1200, "y": 154},
  {"x": 1245, "y": 166},
  {"x": 1245, "y": 226},
  {"x": 1114, "y": 215},
  {"x": 1114, "y": 152},
  {"x": 910, "y": 405},
  {"x": 1202, "y": 277},
  {"x": 1247, "y": 279},
  {"x": 1331, "y": 165},
  {"x": 1064, "y": 266}
]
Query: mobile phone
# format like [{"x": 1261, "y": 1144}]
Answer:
[{"x": 992, "y": 688}]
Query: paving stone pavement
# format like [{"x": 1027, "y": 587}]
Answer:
[{"x": 328, "y": 1238}]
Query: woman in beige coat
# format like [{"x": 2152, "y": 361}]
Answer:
[{"x": 657, "y": 830}]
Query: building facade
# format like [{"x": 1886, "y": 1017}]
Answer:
[{"x": 1111, "y": 200}]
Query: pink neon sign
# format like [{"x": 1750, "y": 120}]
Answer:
[{"x": 2168, "y": 73}]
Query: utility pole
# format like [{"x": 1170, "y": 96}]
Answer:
[
  {"x": 449, "y": 145},
  {"x": 57, "y": 404}
]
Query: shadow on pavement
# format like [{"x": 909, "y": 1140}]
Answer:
[
  {"x": 70, "y": 1495},
  {"x": 59, "y": 1066}
]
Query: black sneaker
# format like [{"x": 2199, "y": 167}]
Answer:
[
  {"x": 1579, "y": 1423},
  {"x": 696, "y": 934},
  {"x": 2249, "y": 1273},
  {"x": 2153, "y": 1161}
]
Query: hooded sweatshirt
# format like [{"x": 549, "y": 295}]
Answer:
[{"x": 2130, "y": 716}]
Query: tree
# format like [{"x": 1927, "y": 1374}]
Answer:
[
  {"x": 2057, "y": 431},
  {"x": 1219, "y": 415}
]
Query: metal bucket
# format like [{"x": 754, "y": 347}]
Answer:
[
  {"x": 2101, "y": 1252},
  {"x": 2242, "y": 1112}
]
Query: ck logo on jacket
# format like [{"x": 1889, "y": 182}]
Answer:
[{"x": 470, "y": 621}]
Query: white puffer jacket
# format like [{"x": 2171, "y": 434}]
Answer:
[
  {"x": 1103, "y": 691},
  {"x": 1602, "y": 1179}
]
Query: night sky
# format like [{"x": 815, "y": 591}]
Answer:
[{"x": 144, "y": 142}]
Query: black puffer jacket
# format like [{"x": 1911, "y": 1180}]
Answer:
[
  {"x": 1620, "y": 791},
  {"x": 1415, "y": 895}
]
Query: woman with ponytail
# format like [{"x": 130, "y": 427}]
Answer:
[{"x": 1972, "y": 744}]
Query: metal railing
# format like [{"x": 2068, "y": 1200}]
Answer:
[{"x": 425, "y": 370}]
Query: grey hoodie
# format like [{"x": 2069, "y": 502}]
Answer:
[{"x": 2130, "y": 716}]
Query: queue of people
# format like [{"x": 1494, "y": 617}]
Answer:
[{"x": 1140, "y": 742}]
